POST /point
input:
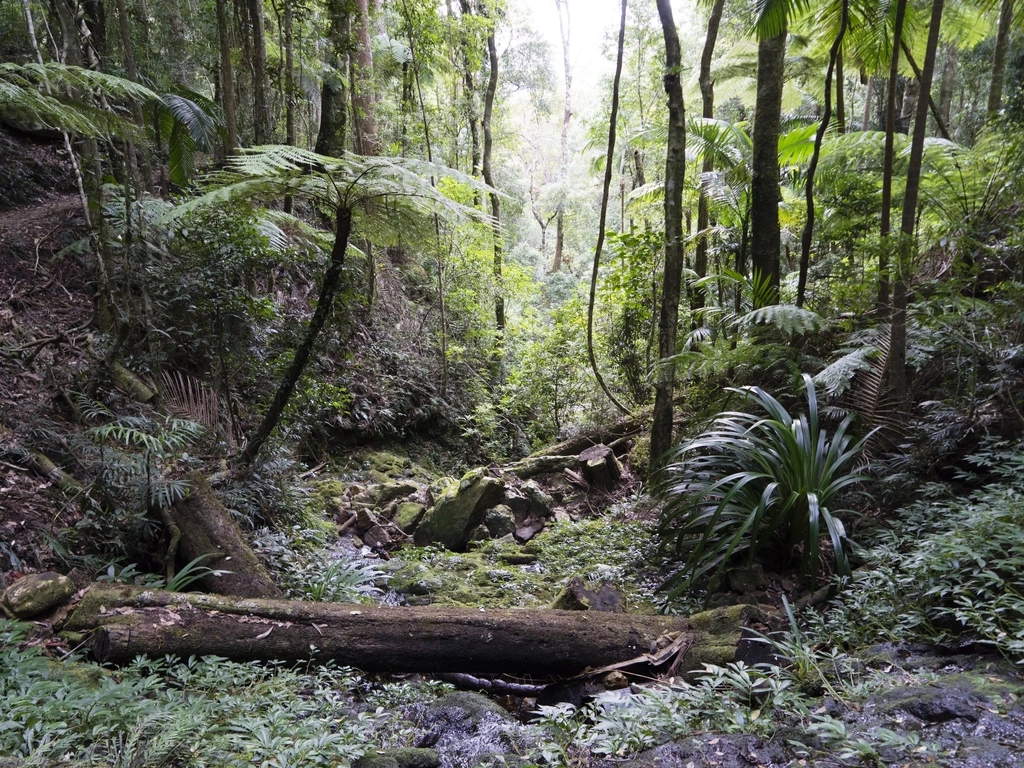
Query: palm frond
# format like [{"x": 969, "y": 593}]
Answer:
[{"x": 189, "y": 398}]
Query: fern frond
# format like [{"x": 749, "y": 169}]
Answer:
[
  {"x": 786, "y": 317},
  {"x": 837, "y": 377}
]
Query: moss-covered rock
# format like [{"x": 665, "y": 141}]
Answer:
[
  {"x": 459, "y": 509},
  {"x": 388, "y": 492},
  {"x": 499, "y": 521},
  {"x": 36, "y": 593},
  {"x": 408, "y": 514}
]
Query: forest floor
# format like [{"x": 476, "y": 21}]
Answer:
[{"x": 894, "y": 704}]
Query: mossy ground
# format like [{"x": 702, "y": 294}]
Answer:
[{"x": 596, "y": 550}]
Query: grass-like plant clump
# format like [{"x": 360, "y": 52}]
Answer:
[{"x": 757, "y": 482}]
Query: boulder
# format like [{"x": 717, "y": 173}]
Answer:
[
  {"x": 459, "y": 510},
  {"x": 36, "y": 593},
  {"x": 407, "y": 515},
  {"x": 499, "y": 521},
  {"x": 540, "y": 502},
  {"x": 388, "y": 492}
]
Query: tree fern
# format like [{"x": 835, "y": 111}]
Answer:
[
  {"x": 786, "y": 317},
  {"x": 58, "y": 96}
]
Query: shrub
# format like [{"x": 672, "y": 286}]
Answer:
[{"x": 752, "y": 483}]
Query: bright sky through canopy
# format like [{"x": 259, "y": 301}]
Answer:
[{"x": 590, "y": 22}]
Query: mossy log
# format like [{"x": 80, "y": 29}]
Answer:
[
  {"x": 128, "y": 621},
  {"x": 206, "y": 528}
]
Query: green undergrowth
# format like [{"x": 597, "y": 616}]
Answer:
[
  {"x": 948, "y": 569},
  {"x": 198, "y": 712},
  {"x": 494, "y": 575}
]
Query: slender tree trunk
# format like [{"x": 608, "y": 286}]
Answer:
[
  {"x": 764, "y": 186},
  {"x": 995, "y": 91},
  {"x": 330, "y": 138},
  {"x": 563, "y": 170},
  {"x": 128, "y": 52},
  {"x": 492, "y": 88},
  {"x": 882, "y": 306},
  {"x": 260, "y": 84},
  {"x": 472, "y": 116},
  {"x": 947, "y": 84},
  {"x": 324, "y": 305},
  {"x": 606, "y": 190},
  {"x": 675, "y": 170},
  {"x": 227, "y": 78},
  {"x": 898, "y": 341},
  {"x": 707, "y": 90},
  {"x": 840, "y": 94},
  {"x": 289, "y": 88},
  {"x": 808, "y": 233},
  {"x": 868, "y": 97}
]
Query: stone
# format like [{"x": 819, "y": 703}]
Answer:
[
  {"x": 518, "y": 503},
  {"x": 499, "y": 521},
  {"x": 458, "y": 510},
  {"x": 576, "y": 597},
  {"x": 408, "y": 515},
  {"x": 37, "y": 593},
  {"x": 615, "y": 681},
  {"x": 377, "y": 538},
  {"x": 528, "y": 531},
  {"x": 747, "y": 580},
  {"x": 388, "y": 492},
  {"x": 365, "y": 520},
  {"x": 540, "y": 502}
]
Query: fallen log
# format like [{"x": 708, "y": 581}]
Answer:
[{"x": 128, "y": 621}]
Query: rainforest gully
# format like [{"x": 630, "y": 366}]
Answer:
[{"x": 471, "y": 383}]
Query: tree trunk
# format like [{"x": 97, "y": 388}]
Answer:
[
  {"x": 675, "y": 170},
  {"x": 470, "y": 96},
  {"x": 207, "y": 529},
  {"x": 765, "y": 238},
  {"x": 492, "y": 88},
  {"x": 227, "y": 78},
  {"x": 947, "y": 84},
  {"x": 330, "y": 138},
  {"x": 129, "y": 621},
  {"x": 563, "y": 170},
  {"x": 324, "y": 304},
  {"x": 260, "y": 84},
  {"x": 362, "y": 83},
  {"x": 840, "y": 94},
  {"x": 882, "y": 305},
  {"x": 605, "y": 191},
  {"x": 808, "y": 233},
  {"x": 995, "y": 91},
  {"x": 707, "y": 90},
  {"x": 289, "y": 88},
  {"x": 897, "y": 374}
]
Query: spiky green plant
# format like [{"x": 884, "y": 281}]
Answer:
[{"x": 754, "y": 483}]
